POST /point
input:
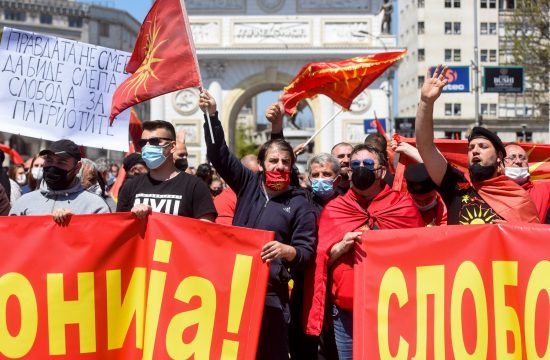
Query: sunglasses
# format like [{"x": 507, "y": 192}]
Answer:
[
  {"x": 154, "y": 141},
  {"x": 368, "y": 163}
]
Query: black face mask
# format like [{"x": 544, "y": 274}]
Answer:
[
  {"x": 216, "y": 192},
  {"x": 362, "y": 178},
  {"x": 57, "y": 178},
  {"x": 181, "y": 164},
  {"x": 479, "y": 172}
]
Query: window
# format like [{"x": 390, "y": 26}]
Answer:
[
  {"x": 421, "y": 55},
  {"x": 420, "y": 3},
  {"x": 448, "y": 27},
  {"x": 488, "y": 4},
  {"x": 104, "y": 29},
  {"x": 493, "y": 109},
  {"x": 493, "y": 56},
  {"x": 46, "y": 18},
  {"x": 75, "y": 22},
  {"x": 457, "y": 109},
  {"x": 421, "y": 27},
  {"x": 484, "y": 108},
  {"x": 492, "y": 28},
  {"x": 524, "y": 136},
  {"x": 448, "y": 3},
  {"x": 457, "y": 56},
  {"x": 456, "y": 27},
  {"x": 420, "y": 81},
  {"x": 456, "y": 3},
  {"x": 483, "y": 55},
  {"x": 448, "y": 109},
  {"x": 454, "y": 135},
  {"x": 483, "y": 4},
  {"x": 448, "y": 55},
  {"x": 492, "y": 4},
  {"x": 15, "y": 15},
  {"x": 483, "y": 28}
]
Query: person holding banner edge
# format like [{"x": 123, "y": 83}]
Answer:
[
  {"x": 490, "y": 197},
  {"x": 267, "y": 201}
]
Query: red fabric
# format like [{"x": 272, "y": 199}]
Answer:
[
  {"x": 539, "y": 191},
  {"x": 436, "y": 216},
  {"x": 163, "y": 59},
  {"x": 277, "y": 180},
  {"x": 388, "y": 210},
  {"x": 340, "y": 80},
  {"x": 225, "y": 206},
  {"x": 115, "y": 189},
  {"x": 135, "y": 131},
  {"x": 507, "y": 199},
  {"x": 13, "y": 154}
]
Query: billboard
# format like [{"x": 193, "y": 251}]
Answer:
[
  {"x": 370, "y": 125},
  {"x": 503, "y": 79},
  {"x": 458, "y": 77}
]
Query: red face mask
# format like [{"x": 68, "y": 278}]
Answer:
[{"x": 277, "y": 180}]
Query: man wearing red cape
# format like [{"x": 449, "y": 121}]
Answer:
[
  {"x": 491, "y": 196},
  {"x": 370, "y": 204}
]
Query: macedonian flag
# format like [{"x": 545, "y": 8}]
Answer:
[
  {"x": 163, "y": 59},
  {"x": 341, "y": 80}
]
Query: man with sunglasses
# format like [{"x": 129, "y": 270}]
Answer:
[
  {"x": 61, "y": 193},
  {"x": 370, "y": 204},
  {"x": 164, "y": 189},
  {"x": 516, "y": 167}
]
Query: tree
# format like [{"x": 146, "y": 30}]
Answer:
[{"x": 244, "y": 144}]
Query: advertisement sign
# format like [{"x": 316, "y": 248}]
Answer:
[
  {"x": 371, "y": 126},
  {"x": 503, "y": 79},
  {"x": 458, "y": 77}
]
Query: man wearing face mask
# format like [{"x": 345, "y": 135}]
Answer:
[
  {"x": 426, "y": 198},
  {"x": 267, "y": 201},
  {"x": 490, "y": 196},
  {"x": 60, "y": 192},
  {"x": 516, "y": 168},
  {"x": 324, "y": 176},
  {"x": 165, "y": 188},
  {"x": 370, "y": 204},
  {"x": 180, "y": 155}
]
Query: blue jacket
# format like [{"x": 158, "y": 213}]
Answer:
[{"x": 289, "y": 215}]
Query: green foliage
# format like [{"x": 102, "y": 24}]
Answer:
[{"x": 244, "y": 144}]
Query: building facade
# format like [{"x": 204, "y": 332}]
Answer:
[{"x": 442, "y": 32}]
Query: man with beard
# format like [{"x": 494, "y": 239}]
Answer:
[
  {"x": 267, "y": 201},
  {"x": 516, "y": 168},
  {"x": 342, "y": 152},
  {"x": 490, "y": 196},
  {"x": 61, "y": 193},
  {"x": 370, "y": 204}
]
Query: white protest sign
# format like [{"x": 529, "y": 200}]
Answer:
[{"x": 56, "y": 88}]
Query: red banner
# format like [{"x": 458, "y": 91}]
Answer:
[
  {"x": 113, "y": 287},
  {"x": 453, "y": 292}
]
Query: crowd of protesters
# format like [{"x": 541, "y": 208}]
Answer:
[{"x": 317, "y": 225}]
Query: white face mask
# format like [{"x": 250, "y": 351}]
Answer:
[
  {"x": 21, "y": 179},
  {"x": 519, "y": 174},
  {"x": 37, "y": 173},
  {"x": 427, "y": 207}
]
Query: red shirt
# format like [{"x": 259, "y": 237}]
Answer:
[{"x": 225, "y": 206}]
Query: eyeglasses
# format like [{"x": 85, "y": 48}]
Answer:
[
  {"x": 368, "y": 163},
  {"x": 154, "y": 141},
  {"x": 514, "y": 157}
]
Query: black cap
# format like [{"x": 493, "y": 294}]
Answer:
[
  {"x": 479, "y": 131},
  {"x": 64, "y": 148},
  {"x": 418, "y": 179},
  {"x": 131, "y": 160}
]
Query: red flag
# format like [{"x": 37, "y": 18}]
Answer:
[
  {"x": 14, "y": 155},
  {"x": 135, "y": 131},
  {"x": 379, "y": 128},
  {"x": 163, "y": 60},
  {"x": 341, "y": 80}
]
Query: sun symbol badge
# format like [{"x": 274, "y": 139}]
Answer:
[{"x": 145, "y": 71}]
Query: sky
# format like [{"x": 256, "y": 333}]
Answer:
[{"x": 136, "y": 8}]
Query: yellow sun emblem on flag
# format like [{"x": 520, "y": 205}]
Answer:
[
  {"x": 477, "y": 216},
  {"x": 145, "y": 71}
]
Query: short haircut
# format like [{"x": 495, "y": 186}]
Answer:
[
  {"x": 379, "y": 142},
  {"x": 323, "y": 158},
  {"x": 275, "y": 143},
  {"x": 341, "y": 144},
  {"x": 160, "y": 124},
  {"x": 372, "y": 150}
]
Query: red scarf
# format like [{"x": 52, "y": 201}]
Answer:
[
  {"x": 507, "y": 199},
  {"x": 388, "y": 210},
  {"x": 539, "y": 191}
]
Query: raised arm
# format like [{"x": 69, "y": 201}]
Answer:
[
  {"x": 225, "y": 163},
  {"x": 433, "y": 159}
]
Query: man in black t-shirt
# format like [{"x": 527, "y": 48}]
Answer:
[
  {"x": 489, "y": 197},
  {"x": 165, "y": 189}
]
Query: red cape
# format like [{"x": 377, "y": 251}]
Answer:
[
  {"x": 225, "y": 206},
  {"x": 539, "y": 191},
  {"x": 388, "y": 210},
  {"x": 507, "y": 199}
]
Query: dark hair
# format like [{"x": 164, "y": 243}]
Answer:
[
  {"x": 205, "y": 173},
  {"x": 362, "y": 147},
  {"x": 377, "y": 141},
  {"x": 277, "y": 143},
  {"x": 160, "y": 124}
]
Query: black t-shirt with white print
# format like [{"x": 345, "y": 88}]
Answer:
[{"x": 183, "y": 195}]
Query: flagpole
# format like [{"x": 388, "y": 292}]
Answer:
[
  {"x": 209, "y": 125},
  {"x": 322, "y": 127}
]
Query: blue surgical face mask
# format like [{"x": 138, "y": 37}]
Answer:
[
  {"x": 153, "y": 156},
  {"x": 324, "y": 188}
]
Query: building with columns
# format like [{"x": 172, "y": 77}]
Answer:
[{"x": 249, "y": 47}]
